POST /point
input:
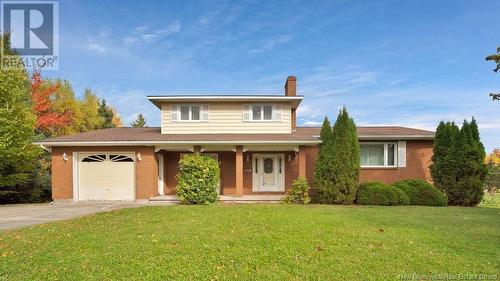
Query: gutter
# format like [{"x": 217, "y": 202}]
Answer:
[
  {"x": 154, "y": 143},
  {"x": 392, "y": 137}
]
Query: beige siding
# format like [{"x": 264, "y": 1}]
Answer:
[{"x": 225, "y": 118}]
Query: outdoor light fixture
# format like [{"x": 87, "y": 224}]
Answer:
[
  {"x": 289, "y": 157},
  {"x": 65, "y": 157},
  {"x": 247, "y": 157},
  {"x": 139, "y": 156}
]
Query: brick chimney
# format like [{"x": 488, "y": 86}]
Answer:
[
  {"x": 291, "y": 90},
  {"x": 291, "y": 86}
]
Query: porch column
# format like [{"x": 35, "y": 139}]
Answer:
[
  {"x": 302, "y": 161},
  {"x": 239, "y": 170},
  {"x": 161, "y": 188}
]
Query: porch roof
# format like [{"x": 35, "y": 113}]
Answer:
[{"x": 153, "y": 136}]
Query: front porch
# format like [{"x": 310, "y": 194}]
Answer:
[{"x": 266, "y": 171}]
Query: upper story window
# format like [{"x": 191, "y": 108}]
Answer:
[
  {"x": 262, "y": 112},
  {"x": 189, "y": 112},
  {"x": 378, "y": 154}
]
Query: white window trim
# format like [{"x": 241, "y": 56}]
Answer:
[
  {"x": 200, "y": 106},
  {"x": 386, "y": 151},
  {"x": 262, "y": 113}
]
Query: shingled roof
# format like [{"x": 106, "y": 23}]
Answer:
[{"x": 153, "y": 135}]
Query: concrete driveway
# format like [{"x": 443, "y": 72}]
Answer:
[{"x": 19, "y": 215}]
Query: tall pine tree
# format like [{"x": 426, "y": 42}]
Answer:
[
  {"x": 139, "y": 122},
  {"x": 323, "y": 177},
  {"x": 106, "y": 115},
  {"x": 346, "y": 159}
]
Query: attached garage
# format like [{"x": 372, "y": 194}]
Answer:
[{"x": 104, "y": 176}]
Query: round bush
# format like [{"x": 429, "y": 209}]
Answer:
[
  {"x": 377, "y": 193},
  {"x": 421, "y": 192},
  {"x": 298, "y": 193},
  {"x": 198, "y": 179}
]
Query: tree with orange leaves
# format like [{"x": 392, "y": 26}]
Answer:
[{"x": 48, "y": 119}]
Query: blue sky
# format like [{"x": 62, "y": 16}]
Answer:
[{"x": 410, "y": 63}]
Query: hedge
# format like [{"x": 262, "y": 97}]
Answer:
[
  {"x": 377, "y": 193},
  {"x": 421, "y": 192}
]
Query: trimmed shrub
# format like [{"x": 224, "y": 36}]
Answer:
[
  {"x": 298, "y": 192},
  {"x": 198, "y": 179},
  {"x": 422, "y": 193},
  {"x": 377, "y": 193}
]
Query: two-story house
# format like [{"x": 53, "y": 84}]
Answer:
[{"x": 255, "y": 138}]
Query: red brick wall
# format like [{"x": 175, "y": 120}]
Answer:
[
  {"x": 418, "y": 159},
  {"x": 146, "y": 171}
]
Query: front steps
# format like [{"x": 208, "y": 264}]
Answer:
[{"x": 225, "y": 199}]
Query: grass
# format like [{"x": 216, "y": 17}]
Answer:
[
  {"x": 257, "y": 242},
  {"x": 491, "y": 200}
]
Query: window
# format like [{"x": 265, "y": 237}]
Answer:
[
  {"x": 268, "y": 165},
  {"x": 94, "y": 158},
  {"x": 262, "y": 112},
  {"x": 268, "y": 112},
  {"x": 378, "y": 154},
  {"x": 190, "y": 112},
  {"x": 120, "y": 158}
]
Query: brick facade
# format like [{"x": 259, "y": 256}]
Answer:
[
  {"x": 418, "y": 159},
  {"x": 146, "y": 170},
  {"x": 418, "y": 153}
]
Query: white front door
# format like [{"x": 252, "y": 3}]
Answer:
[{"x": 268, "y": 172}]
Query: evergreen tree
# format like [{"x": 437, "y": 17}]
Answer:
[
  {"x": 106, "y": 114},
  {"x": 323, "y": 176},
  {"x": 139, "y": 122},
  {"x": 446, "y": 133},
  {"x": 346, "y": 159},
  {"x": 17, "y": 127},
  {"x": 467, "y": 170}
]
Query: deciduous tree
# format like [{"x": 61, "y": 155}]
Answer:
[
  {"x": 43, "y": 93},
  {"x": 17, "y": 127},
  {"x": 496, "y": 59}
]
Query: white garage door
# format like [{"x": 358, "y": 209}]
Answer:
[{"x": 106, "y": 176}]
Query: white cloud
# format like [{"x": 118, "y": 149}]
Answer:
[
  {"x": 93, "y": 46},
  {"x": 146, "y": 34},
  {"x": 271, "y": 44}
]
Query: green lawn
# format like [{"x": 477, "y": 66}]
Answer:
[{"x": 263, "y": 242}]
